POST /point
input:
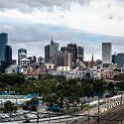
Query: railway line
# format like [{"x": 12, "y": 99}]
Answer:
[
  {"x": 114, "y": 116},
  {"x": 111, "y": 112}
]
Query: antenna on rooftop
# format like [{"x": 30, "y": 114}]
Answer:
[{"x": 51, "y": 39}]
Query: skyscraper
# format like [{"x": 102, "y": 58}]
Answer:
[
  {"x": 22, "y": 53},
  {"x": 3, "y": 43},
  {"x": 80, "y": 53},
  {"x": 64, "y": 49},
  {"x": 72, "y": 48},
  {"x": 40, "y": 60},
  {"x": 50, "y": 50},
  {"x": 58, "y": 59},
  {"x": 32, "y": 59},
  {"x": 8, "y": 55},
  {"x": 119, "y": 60},
  {"x": 114, "y": 58},
  {"x": 77, "y": 52},
  {"x": 68, "y": 59},
  {"x": 106, "y": 53}
]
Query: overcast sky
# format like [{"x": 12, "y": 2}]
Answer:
[{"x": 31, "y": 24}]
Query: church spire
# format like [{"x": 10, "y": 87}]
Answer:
[{"x": 92, "y": 63}]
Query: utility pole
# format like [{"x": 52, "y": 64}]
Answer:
[
  {"x": 107, "y": 103},
  {"x": 37, "y": 117},
  {"x": 98, "y": 111},
  {"x": 121, "y": 99},
  {"x": 88, "y": 109}
]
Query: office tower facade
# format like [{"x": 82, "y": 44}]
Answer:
[
  {"x": 58, "y": 59},
  {"x": 3, "y": 43},
  {"x": 50, "y": 50},
  {"x": 72, "y": 48},
  {"x": 114, "y": 58},
  {"x": 14, "y": 61},
  {"x": 2, "y": 66},
  {"x": 68, "y": 58},
  {"x": 47, "y": 53},
  {"x": 119, "y": 60},
  {"x": 106, "y": 53},
  {"x": 22, "y": 53},
  {"x": 8, "y": 56},
  {"x": 64, "y": 49},
  {"x": 32, "y": 59},
  {"x": 40, "y": 60},
  {"x": 80, "y": 53}
]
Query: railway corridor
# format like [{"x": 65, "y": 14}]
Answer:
[{"x": 113, "y": 116}]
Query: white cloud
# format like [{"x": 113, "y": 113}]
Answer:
[
  {"x": 95, "y": 18},
  {"x": 98, "y": 17}
]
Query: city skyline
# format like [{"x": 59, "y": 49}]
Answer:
[{"x": 31, "y": 24}]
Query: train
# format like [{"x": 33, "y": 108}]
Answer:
[{"x": 103, "y": 101}]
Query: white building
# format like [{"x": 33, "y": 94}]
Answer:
[
  {"x": 24, "y": 62},
  {"x": 13, "y": 69}
]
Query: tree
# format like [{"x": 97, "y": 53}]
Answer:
[
  {"x": 119, "y": 78},
  {"x": 111, "y": 88},
  {"x": 45, "y": 76},
  {"x": 9, "y": 107},
  {"x": 32, "y": 104},
  {"x": 99, "y": 86}
]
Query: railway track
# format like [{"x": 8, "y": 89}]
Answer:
[{"x": 115, "y": 116}]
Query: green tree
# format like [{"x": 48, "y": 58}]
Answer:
[
  {"x": 9, "y": 107},
  {"x": 45, "y": 76},
  {"x": 111, "y": 88}
]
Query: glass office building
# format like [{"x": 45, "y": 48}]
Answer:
[{"x": 3, "y": 43}]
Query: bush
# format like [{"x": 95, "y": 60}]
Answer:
[
  {"x": 33, "y": 108},
  {"x": 1, "y": 109},
  {"x": 9, "y": 107},
  {"x": 25, "y": 107},
  {"x": 70, "y": 111},
  {"x": 84, "y": 107}
]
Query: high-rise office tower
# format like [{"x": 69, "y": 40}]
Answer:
[
  {"x": 72, "y": 48},
  {"x": 58, "y": 59},
  {"x": 50, "y": 50},
  {"x": 32, "y": 59},
  {"x": 47, "y": 53},
  {"x": 22, "y": 53},
  {"x": 64, "y": 49},
  {"x": 114, "y": 58},
  {"x": 3, "y": 43},
  {"x": 8, "y": 55},
  {"x": 2, "y": 66},
  {"x": 40, "y": 60},
  {"x": 106, "y": 53},
  {"x": 80, "y": 53},
  {"x": 68, "y": 59},
  {"x": 119, "y": 60}
]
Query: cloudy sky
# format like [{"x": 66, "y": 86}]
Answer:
[{"x": 31, "y": 24}]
